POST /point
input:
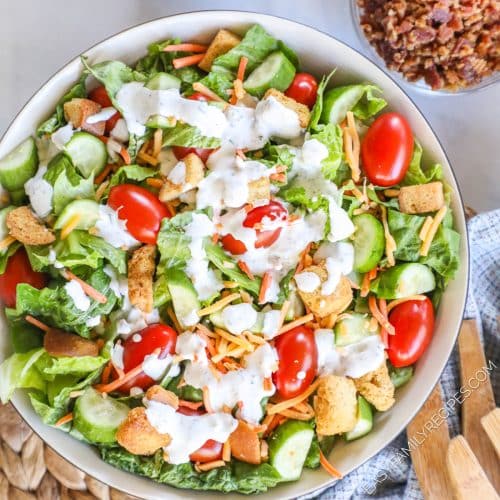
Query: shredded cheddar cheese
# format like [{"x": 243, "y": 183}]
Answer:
[
  {"x": 70, "y": 226},
  {"x": 425, "y": 228},
  {"x": 390, "y": 244},
  {"x": 6, "y": 242},
  {"x": 352, "y": 146},
  {"x": 438, "y": 218},
  {"x": 396, "y": 302},
  {"x": 217, "y": 306},
  {"x": 290, "y": 403}
]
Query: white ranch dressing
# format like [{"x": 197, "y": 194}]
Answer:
[
  {"x": 157, "y": 368},
  {"x": 62, "y": 136},
  {"x": 271, "y": 323},
  {"x": 307, "y": 281},
  {"x": 188, "y": 432},
  {"x": 102, "y": 116},
  {"x": 120, "y": 131},
  {"x": 113, "y": 229},
  {"x": 339, "y": 261},
  {"x": 40, "y": 193},
  {"x": 178, "y": 174},
  {"x": 239, "y": 317},
  {"x": 78, "y": 296},
  {"x": 117, "y": 355}
]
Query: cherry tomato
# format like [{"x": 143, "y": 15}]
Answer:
[
  {"x": 18, "y": 270},
  {"x": 273, "y": 211},
  {"x": 414, "y": 324},
  {"x": 141, "y": 209},
  {"x": 179, "y": 151},
  {"x": 386, "y": 149},
  {"x": 298, "y": 361},
  {"x": 152, "y": 337},
  {"x": 100, "y": 96},
  {"x": 303, "y": 89}
]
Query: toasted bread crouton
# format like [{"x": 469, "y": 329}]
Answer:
[
  {"x": 422, "y": 198},
  {"x": 59, "y": 343},
  {"x": 223, "y": 42},
  {"x": 141, "y": 269},
  {"x": 376, "y": 387},
  {"x": 260, "y": 189},
  {"x": 25, "y": 227},
  {"x": 138, "y": 436},
  {"x": 245, "y": 444},
  {"x": 324, "y": 305},
  {"x": 78, "y": 110},
  {"x": 335, "y": 405},
  {"x": 186, "y": 175},
  {"x": 161, "y": 395},
  {"x": 301, "y": 109}
]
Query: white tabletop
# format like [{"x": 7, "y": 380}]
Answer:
[{"x": 38, "y": 37}]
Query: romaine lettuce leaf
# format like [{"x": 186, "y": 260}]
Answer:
[
  {"x": 50, "y": 366},
  {"x": 186, "y": 135},
  {"x": 173, "y": 243},
  {"x": 6, "y": 253},
  {"x": 331, "y": 136},
  {"x": 318, "y": 105},
  {"x": 218, "y": 83},
  {"x": 23, "y": 335},
  {"x": 415, "y": 173},
  {"x": 131, "y": 173}
]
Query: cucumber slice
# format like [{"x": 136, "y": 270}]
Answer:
[
  {"x": 158, "y": 121},
  {"x": 86, "y": 210},
  {"x": 18, "y": 197},
  {"x": 163, "y": 81},
  {"x": 353, "y": 328},
  {"x": 369, "y": 242},
  {"x": 87, "y": 152},
  {"x": 216, "y": 320},
  {"x": 400, "y": 376},
  {"x": 364, "y": 422},
  {"x": 276, "y": 72},
  {"x": 19, "y": 165},
  {"x": 288, "y": 448},
  {"x": 184, "y": 296},
  {"x": 98, "y": 418},
  {"x": 338, "y": 101},
  {"x": 404, "y": 280}
]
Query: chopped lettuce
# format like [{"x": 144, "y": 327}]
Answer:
[
  {"x": 131, "y": 173},
  {"x": 318, "y": 105},
  {"x": 187, "y": 136},
  {"x": 331, "y": 136},
  {"x": 23, "y": 335},
  {"x": 6, "y": 253},
  {"x": 173, "y": 243},
  {"x": 50, "y": 367},
  {"x": 415, "y": 173},
  {"x": 218, "y": 83}
]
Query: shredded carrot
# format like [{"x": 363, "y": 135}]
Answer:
[
  {"x": 6, "y": 242},
  {"x": 297, "y": 415},
  {"x": 226, "y": 451},
  {"x": 367, "y": 278},
  {"x": 123, "y": 151},
  {"x": 183, "y": 62},
  {"x": 157, "y": 140},
  {"x": 154, "y": 182},
  {"x": 106, "y": 373},
  {"x": 90, "y": 291},
  {"x": 206, "y": 399},
  {"x": 37, "y": 323},
  {"x": 384, "y": 334},
  {"x": 210, "y": 465},
  {"x": 244, "y": 267},
  {"x": 289, "y": 403},
  {"x": 377, "y": 314},
  {"x": 264, "y": 286},
  {"x": 70, "y": 226},
  {"x": 215, "y": 238},
  {"x": 268, "y": 384},
  {"x": 185, "y": 47},
  {"x": 274, "y": 421},
  {"x": 240, "y": 75},
  {"x": 241, "y": 154},
  {"x": 171, "y": 208},
  {"x": 220, "y": 366},
  {"x": 214, "y": 371},
  {"x": 190, "y": 404},
  {"x": 216, "y": 306},
  {"x": 278, "y": 177},
  {"x": 396, "y": 302},
  {"x": 438, "y": 218},
  {"x": 328, "y": 466},
  {"x": 295, "y": 323},
  {"x": 175, "y": 321},
  {"x": 210, "y": 344},
  {"x": 64, "y": 420},
  {"x": 202, "y": 89},
  {"x": 106, "y": 171}
]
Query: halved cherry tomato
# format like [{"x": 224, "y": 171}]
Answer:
[
  {"x": 298, "y": 361},
  {"x": 386, "y": 149},
  {"x": 18, "y": 270},
  {"x": 152, "y": 337},
  {"x": 272, "y": 211},
  {"x": 179, "y": 151},
  {"x": 303, "y": 89},
  {"x": 142, "y": 210},
  {"x": 414, "y": 324},
  {"x": 100, "y": 96}
]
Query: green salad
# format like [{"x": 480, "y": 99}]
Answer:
[{"x": 214, "y": 266}]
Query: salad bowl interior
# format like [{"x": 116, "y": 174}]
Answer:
[{"x": 319, "y": 53}]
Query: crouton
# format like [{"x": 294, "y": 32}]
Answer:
[
  {"x": 335, "y": 405},
  {"x": 376, "y": 387},
  {"x": 59, "y": 343},
  {"x": 223, "y": 42},
  {"x": 245, "y": 444},
  {"x": 422, "y": 198},
  {"x": 301, "y": 109},
  {"x": 324, "y": 305},
  {"x": 78, "y": 110},
  {"x": 25, "y": 227},
  {"x": 161, "y": 395},
  {"x": 193, "y": 169},
  {"x": 141, "y": 269},
  {"x": 138, "y": 436},
  {"x": 260, "y": 189}
]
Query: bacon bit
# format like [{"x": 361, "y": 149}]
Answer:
[
  {"x": 70, "y": 226},
  {"x": 264, "y": 287},
  {"x": 383, "y": 322},
  {"x": 244, "y": 267},
  {"x": 100, "y": 190},
  {"x": 391, "y": 193},
  {"x": 295, "y": 323},
  {"x": 202, "y": 89},
  {"x": 64, "y": 420},
  {"x": 209, "y": 465},
  {"x": 173, "y": 317},
  {"x": 6, "y": 242},
  {"x": 215, "y": 238},
  {"x": 206, "y": 399},
  {"x": 240, "y": 75},
  {"x": 268, "y": 384},
  {"x": 89, "y": 290},
  {"x": 106, "y": 373},
  {"x": 185, "y": 47},
  {"x": 107, "y": 170},
  {"x": 37, "y": 323},
  {"x": 148, "y": 159},
  {"x": 154, "y": 182},
  {"x": 283, "y": 311},
  {"x": 278, "y": 178},
  {"x": 216, "y": 306},
  {"x": 183, "y": 62},
  {"x": 241, "y": 154},
  {"x": 226, "y": 451},
  {"x": 289, "y": 403},
  {"x": 157, "y": 140},
  {"x": 382, "y": 305},
  {"x": 328, "y": 466},
  {"x": 425, "y": 228},
  {"x": 396, "y": 302},
  {"x": 190, "y": 404}
]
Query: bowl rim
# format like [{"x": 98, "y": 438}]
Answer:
[{"x": 459, "y": 214}]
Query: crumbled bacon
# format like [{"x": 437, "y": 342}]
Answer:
[{"x": 449, "y": 43}]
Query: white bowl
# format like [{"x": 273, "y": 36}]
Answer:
[{"x": 319, "y": 53}]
